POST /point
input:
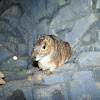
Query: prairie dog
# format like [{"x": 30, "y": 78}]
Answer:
[{"x": 50, "y": 52}]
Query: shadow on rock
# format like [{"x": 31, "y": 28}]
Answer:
[{"x": 17, "y": 95}]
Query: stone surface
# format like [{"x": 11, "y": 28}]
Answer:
[
  {"x": 83, "y": 87},
  {"x": 17, "y": 95},
  {"x": 12, "y": 15},
  {"x": 53, "y": 92},
  {"x": 5, "y": 54},
  {"x": 97, "y": 73},
  {"x": 98, "y": 5},
  {"x": 57, "y": 76},
  {"x": 22, "y": 49},
  {"x": 15, "y": 65},
  {"x": 88, "y": 59},
  {"x": 73, "y": 30}
]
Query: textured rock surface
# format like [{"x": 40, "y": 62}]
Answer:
[
  {"x": 75, "y": 21},
  {"x": 84, "y": 86},
  {"x": 88, "y": 59}
]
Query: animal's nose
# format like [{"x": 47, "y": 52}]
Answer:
[{"x": 33, "y": 58}]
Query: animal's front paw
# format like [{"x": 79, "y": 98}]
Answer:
[{"x": 49, "y": 72}]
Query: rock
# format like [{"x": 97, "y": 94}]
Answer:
[
  {"x": 15, "y": 65},
  {"x": 71, "y": 30},
  {"x": 99, "y": 36},
  {"x": 28, "y": 93},
  {"x": 22, "y": 49},
  {"x": 84, "y": 47},
  {"x": 66, "y": 67},
  {"x": 80, "y": 7},
  {"x": 91, "y": 35},
  {"x": 98, "y": 85},
  {"x": 97, "y": 73},
  {"x": 14, "y": 40},
  {"x": 13, "y": 86},
  {"x": 17, "y": 95},
  {"x": 32, "y": 36},
  {"x": 98, "y": 5},
  {"x": 10, "y": 76},
  {"x": 58, "y": 76},
  {"x": 12, "y": 15},
  {"x": 5, "y": 26},
  {"x": 1, "y": 94},
  {"x": 9, "y": 89},
  {"x": 75, "y": 8},
  {"x": 5, "y": 54},
  {"x": 32, "y": 91},
  {"x": 53, "y": 92},
  {"x": 31, "y": 8},
  {"x": 4, "y": 5},
  {"x": 83, "y": 86},
  {"x": 88, "y": 59},
  {"x": 26, "y": 22},
  {"x": 10, "y": 46}
]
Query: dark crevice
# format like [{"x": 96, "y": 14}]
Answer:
[
  {"x": 63, "y": 30},
  {"x": 94, "y": 4},
  {"x": 8, "y": 4},
  {"x": 20, "y": 7},
  {"x": 43, "y": 18},
  {"x": 46, "y": 4},
  {"x": 17, "y": 95},
  {"x": 3, "y": 19},
  {"x": 5, "y": 5}
]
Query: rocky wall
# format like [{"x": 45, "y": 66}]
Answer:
[{"x": 75, "y": 21}]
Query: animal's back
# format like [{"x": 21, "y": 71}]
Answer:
[{"x": 62, "y": 50}]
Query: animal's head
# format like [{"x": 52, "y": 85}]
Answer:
[{"x": 42, "y": 47}]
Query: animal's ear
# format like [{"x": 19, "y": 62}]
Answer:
[
  {"x": 48, "y": 39},
  {"x": 41, "y": 37}
]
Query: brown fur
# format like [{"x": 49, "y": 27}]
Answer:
[
  {"x": 1, "y": 80},
  {"x": 57, "y": 50}
]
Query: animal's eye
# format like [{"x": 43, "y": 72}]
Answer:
[{"x": 44, "y": 47}]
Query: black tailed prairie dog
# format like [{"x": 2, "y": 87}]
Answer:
[{"x": 50, "y": 52}]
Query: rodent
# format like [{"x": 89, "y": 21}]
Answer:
[{"x": 50, "y": 52}]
